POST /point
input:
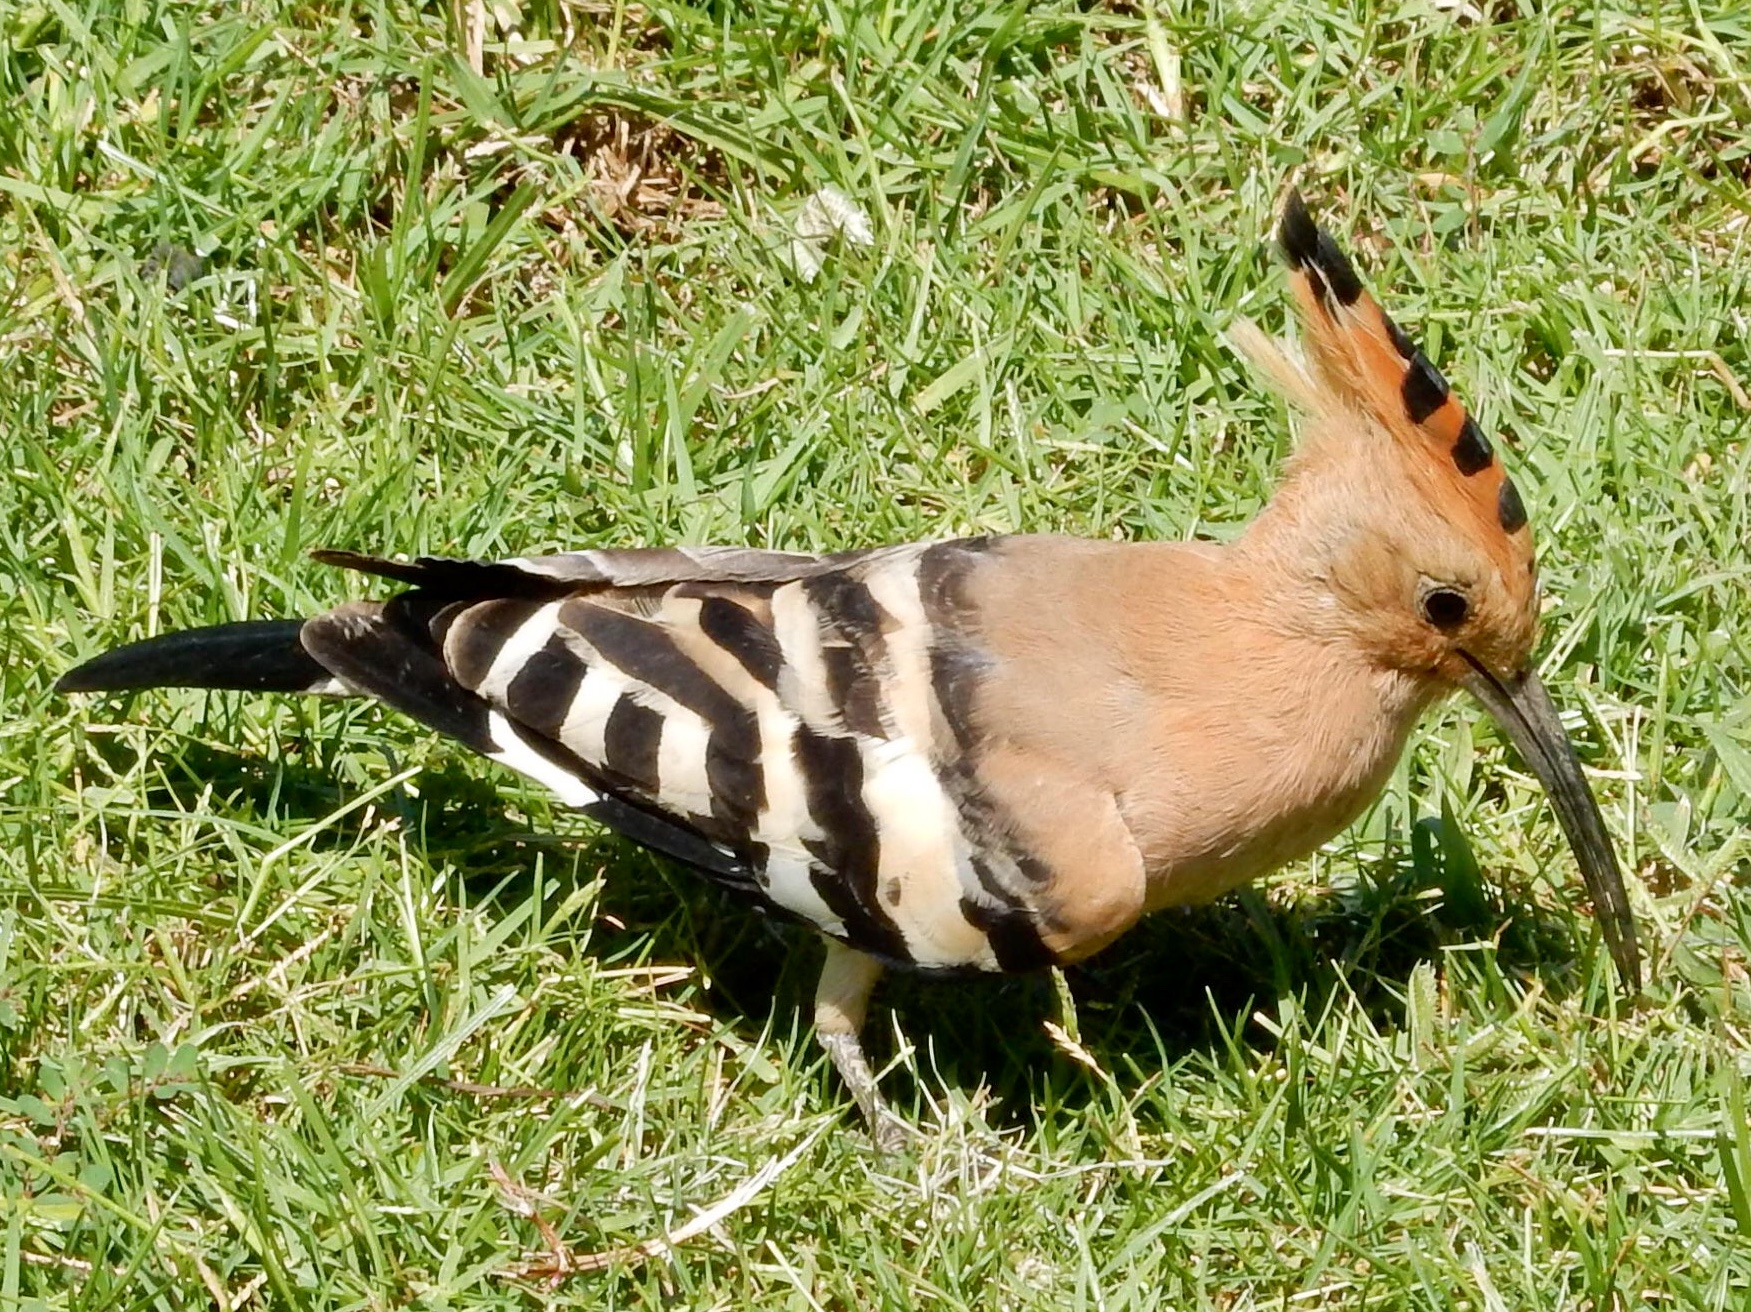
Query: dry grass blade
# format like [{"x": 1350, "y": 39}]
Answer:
[
  {"x": 560, "y": 1262},
  {"x": 1716, "y": 366},
  {"x": 471, "y": 24}
]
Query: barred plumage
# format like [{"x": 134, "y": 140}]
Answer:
[
  {"x": 794, "y": 726},
  {"x": 992, "y": 753}
]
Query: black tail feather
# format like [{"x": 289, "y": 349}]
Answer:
[{"x": 256, "y": 656}]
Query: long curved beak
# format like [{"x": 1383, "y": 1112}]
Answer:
[{"x": 1524, "y": 710}]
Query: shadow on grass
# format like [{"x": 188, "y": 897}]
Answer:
[
  {"x": 1178, "y": 984},
  {"x": 1181, "y": 983},
  {"x": 1190, "y": 982}
]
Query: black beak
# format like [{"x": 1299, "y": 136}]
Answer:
[{"x": 1524, "y": 710}]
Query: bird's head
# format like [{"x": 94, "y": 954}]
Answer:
[{"x": 1412, "y": 538}]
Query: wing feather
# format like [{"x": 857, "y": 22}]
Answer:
[
  {"x": 385, "y": 650},
  {"x": 768, "y": 718}
]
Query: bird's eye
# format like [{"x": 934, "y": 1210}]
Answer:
[{"x": 1445, "y": 608}]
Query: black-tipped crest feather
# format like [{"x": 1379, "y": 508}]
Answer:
[
  {"x": 1308, "y": 246},
  {"x": 1297, "y": 233}
]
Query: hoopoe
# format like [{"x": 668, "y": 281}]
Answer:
[{"x": 996, "y": 753}]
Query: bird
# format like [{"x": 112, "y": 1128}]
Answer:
[{"x": 992, "y": 754}]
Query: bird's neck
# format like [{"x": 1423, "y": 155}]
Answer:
[{"x": 1285, "y": 554}]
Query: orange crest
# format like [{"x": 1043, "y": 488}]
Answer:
[{"x": 1357, "y": 351}]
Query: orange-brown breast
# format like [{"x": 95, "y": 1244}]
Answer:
[{"x": 1228, "y": 745}]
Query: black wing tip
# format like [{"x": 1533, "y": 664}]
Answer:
[
  {"x": 451, "y": 577},
  {"x": 402, "y": 571}
]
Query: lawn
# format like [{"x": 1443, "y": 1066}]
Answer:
[{"x": 303, "y": 1007}]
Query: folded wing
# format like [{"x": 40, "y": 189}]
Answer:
[{"x": 788, "y": 724}]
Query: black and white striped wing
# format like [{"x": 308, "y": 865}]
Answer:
[{"x": 772, "y": 719}]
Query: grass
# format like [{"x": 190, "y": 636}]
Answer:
[{"x": 302, "y": 1008}]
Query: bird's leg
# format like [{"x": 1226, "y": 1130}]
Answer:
[{"x": 841, "y": 1002}]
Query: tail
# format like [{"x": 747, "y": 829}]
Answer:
[{"x": 257, "y": 656}]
